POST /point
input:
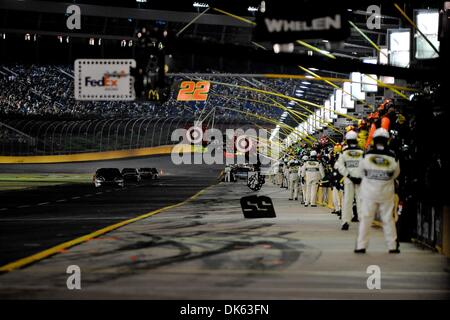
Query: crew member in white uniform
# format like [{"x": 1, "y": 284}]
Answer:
[
  {"x": 293, "y": 179},
  {"x": 347, "y": 165},
  {"x": 279, "y": 178},
  {"x": 285, "y": 181},
  {"x": 227, "y": 174},
  {"x": 302, "y": 178},
  {"x": 313, "y": 172},
  {"x": 379, "y": 169},
  {"x": 273, "y": 177}
]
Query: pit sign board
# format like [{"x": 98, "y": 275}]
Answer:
[
  {"x": 104, "y": 79},
  {"x": 284, "y": 21},
  {"x": 193, "y": 91}
]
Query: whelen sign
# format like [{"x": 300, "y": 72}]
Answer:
[{"x": 286, "y": 22}]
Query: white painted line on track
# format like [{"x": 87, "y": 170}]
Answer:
[
  {"x": 75, "y": 198},
  {"x": 61, "y": 200},
  {"x": 42, "y": 203},
  {"x": 23, "y": 206}
]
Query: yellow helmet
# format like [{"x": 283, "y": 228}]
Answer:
[{"x": 337, "y": 148}]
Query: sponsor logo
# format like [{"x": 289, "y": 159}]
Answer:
[
  {"x": 380, "y": 161},
  {"x": 104, "y": 79},
  {"x": 109, "y": 80},
  {"x": 352, "y": 164},
  {"x": 354, "y": 154},
  {"x": 153, "y": 95},
  {"x": 318, "y": 24},
  {"x": 378, "y": 174}
]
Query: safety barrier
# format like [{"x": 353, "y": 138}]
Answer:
[
  {"x": 431, "y": 223},
  {"x": 52, "y": 137},
  {"x": 28, "y": 137}
]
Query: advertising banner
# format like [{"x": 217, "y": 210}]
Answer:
[{"x": 104, "y": 79}]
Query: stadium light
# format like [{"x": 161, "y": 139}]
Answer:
[
  {"x": 200, "y": 5},
  {"x": 428, "y": 22},
  {"x": 399, "y": 45},
  {"x": 383, "y": 59},
  {"x": 91, "y": 41},
  {"x": 356, "y": 86},
  {"x": 369, "y": 82},
  {"x": 347, "y": 101},
  {"x": 252, "y": 9},
  {"x": 306, "y": 82},
  {"x": 276, "y": 48}
]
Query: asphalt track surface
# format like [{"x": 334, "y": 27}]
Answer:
[{"x": 36, "y": 219}]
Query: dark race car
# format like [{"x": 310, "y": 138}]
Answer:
[
  {"x": 108, "y": 176},
  {"x": 148, "y": 173},
  {"x": 131, "y": 174},
  {"x": 155, "y": 173}
]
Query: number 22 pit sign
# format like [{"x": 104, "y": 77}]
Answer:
[
  {"x": 193, "y": 91},
  {"x": 104, "y": 79}
]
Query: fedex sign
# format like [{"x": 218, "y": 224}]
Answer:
[
  {"x": 103, "y": 82},
  {"x": 104, "y": 79}
]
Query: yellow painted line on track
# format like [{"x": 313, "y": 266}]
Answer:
[
  {"x": 95, "y": 156},
  {"x": 63, "y": 246}
]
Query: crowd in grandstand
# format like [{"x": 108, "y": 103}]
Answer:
[{"x": 47, "y": 91}]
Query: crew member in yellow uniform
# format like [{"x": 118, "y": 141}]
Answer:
[
  {"x": 347, "y": 165},
  {"x": 379, "y": 168}
]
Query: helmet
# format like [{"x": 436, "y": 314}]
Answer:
[
  {"x": 380, "y": 138},
  {"x": 337, "y": 148},
  {"x": 305, "y": 158},
  {"x": 351, "y": 135},
  {"x": 313, "y": 153},
  {"x": 381, "y": 133},
  {"x": 362, "y": 124},
  {"x": 349, "y": 128}
]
